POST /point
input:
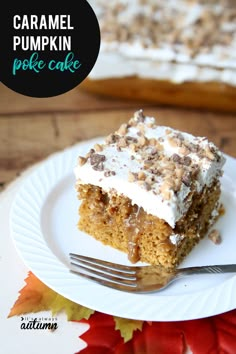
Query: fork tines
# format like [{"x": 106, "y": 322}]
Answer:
[{"x": 114, "y": 275}]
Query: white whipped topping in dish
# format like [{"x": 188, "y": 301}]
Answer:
[
  {"x": 156, "y": 167},
  {"x": 176, "y": 40}
]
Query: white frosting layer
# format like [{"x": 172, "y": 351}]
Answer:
[
  {"x": 123, "y": 161},
  {"x": 167, "y": 60},
  {"x": 114, "y": 65}
]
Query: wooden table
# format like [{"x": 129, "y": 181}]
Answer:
[{"x": 33, "y": 128}]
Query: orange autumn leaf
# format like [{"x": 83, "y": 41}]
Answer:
[{"x": 35, "y": 296}]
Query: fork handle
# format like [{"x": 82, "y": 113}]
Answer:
[{"x": 212, "y": 269}]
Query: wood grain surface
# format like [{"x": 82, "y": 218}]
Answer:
[{"x": 33, "y": 128}]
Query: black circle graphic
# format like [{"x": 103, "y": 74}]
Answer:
[{"x": 47, "y": 50}]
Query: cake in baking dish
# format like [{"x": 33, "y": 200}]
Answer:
[
  {"x": 150, "y": 191},
  {"x": 180, "y": 52}
]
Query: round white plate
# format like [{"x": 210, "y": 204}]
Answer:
[{"x": 43, "y": 224}]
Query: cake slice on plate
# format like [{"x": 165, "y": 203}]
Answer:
[{"x": 149, "y": 190}]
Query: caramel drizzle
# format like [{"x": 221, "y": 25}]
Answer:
[{"x": 134, "y": 229}]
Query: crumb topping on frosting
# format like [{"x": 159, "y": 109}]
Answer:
[
  {"x": 189, "y": 25},
  {"x": 152, "y": 164},
  {"x": 175, "y": 40}
]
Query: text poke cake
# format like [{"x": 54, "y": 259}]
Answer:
[{"x": 149, "y": 190}]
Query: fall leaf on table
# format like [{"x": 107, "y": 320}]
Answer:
[
  {"x": 114, "y": 335},
  {"x": 36, "y": 296},
  {"x": 127, "y": 327},
  {"x": 213, "y": 335},
  {"x": 74, "y": 311},
  {"x": 103, "y": 338},
  {"x": 216, "y": 334}
]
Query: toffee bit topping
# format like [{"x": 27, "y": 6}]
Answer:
[
  {"x": 193, "y": 147},
  {"x": 96, "y": 158},
  {"x": 81, "y": 160},
  {"x": 179, "y": 172},
  {"x": 142, "y": 141},
  {"x": 96, "y": 161},
  {"x": 98, "y": 147},
  {"x": 159, "y": 146},
  {"x": 179, "y": 136},
  {"x": 173, "y": 141},
  {"x": 165, "y": 190},
  {"x": 141, "y": 176},
  {"x": 90, "y": 153},
  {"x": 147, "y": 164},
  {"x": 209, "y": 153},
  {"x": 215, "y": 237},
  {"x": 187, "y": 161},
  {"x": 176, "y": 158},
  {"x": 184, "y": 150},
  {"x": 122, "y": 143},
  {"x": 168, "y": 131},
  {"x": 112, "y": 138},
  {"x": 147, "y": 186},
  {"x": 98, "y": 167},
  {"x": 197, "y": 27},
  {"x": 109, "y": 173},
  {"x": 150, "y": 179},
  {"x": 132, "y": 177},
  {"x": 150, "y": 124},
  {"x": 141, "y": 128},
  {"x": 152, "y": 141},
  {"x": 133, "y": 147},
  {"x": 123, "y": 129},
  {"x": 139, "y": 116},
  {"x": 131, "y": 139},
  {"x": 186, "y": 179},
  {"x": 154, "y": 151}
]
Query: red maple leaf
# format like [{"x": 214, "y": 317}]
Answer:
[
  {"x": 102, "y": 338},
  {"x": 213, "y": 335}
]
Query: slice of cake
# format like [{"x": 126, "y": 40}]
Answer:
[{"x": 150, "y": 191}]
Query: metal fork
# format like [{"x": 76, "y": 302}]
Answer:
[{"x": 137, "y": 279}]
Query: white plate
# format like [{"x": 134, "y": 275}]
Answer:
[{"x": 44, "y": 228}]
